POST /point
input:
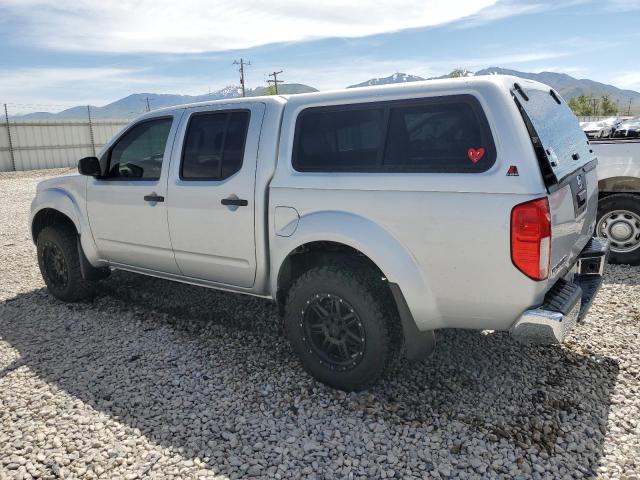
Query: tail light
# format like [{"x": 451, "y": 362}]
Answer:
[{"x": 531, "y": 238}]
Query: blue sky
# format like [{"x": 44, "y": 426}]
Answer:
[{"x": 68, "y": 52}]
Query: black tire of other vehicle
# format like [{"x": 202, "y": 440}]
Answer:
[
  {"x": 364, "y": 292},
  {"x": 60, "y": 264},
  {"x": 619, "y": 202}
]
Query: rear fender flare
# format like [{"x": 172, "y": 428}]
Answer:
[{"x": 383, "y": 249}]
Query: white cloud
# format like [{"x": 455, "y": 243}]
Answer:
[
  {"x": 126, "y": 26},
  {"x": 628, "y": 80},
  {"x": 53, "y": 89},
  {"x": 623, "y": 5}
]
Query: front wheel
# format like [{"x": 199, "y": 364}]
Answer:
[
  {"x": 342, "y": 325},
  {"x": 619, "y": 222},
  {"x": 59, "y": 263}
]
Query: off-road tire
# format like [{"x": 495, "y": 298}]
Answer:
[
  {"x": 370, "y": 299},
  {"x": 63, "y": 238},
  {"x": 612, "y": 203}
]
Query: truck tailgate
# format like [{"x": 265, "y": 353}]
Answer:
[{"x": 568, "y": 166}]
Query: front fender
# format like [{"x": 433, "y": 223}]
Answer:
[
  {"x": 374, "y": 241},
  {"x": 59, "y": 199}
]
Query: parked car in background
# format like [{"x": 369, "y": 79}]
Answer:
[
  {"x": 627, "y": 129},
  {"x": 599, "y": 129},
  {"x": 619, "y": 191},
  {"x": 372, "y": 216}
]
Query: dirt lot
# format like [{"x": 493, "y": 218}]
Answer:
[{"x": 162, "y": 380}]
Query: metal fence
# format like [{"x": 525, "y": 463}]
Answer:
[
  {"x": 34, "y": 144},
  {"x": 596, "y": 118}
]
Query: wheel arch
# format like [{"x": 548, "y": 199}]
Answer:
[
  {"x": 374, "y": 244},
  {"x": 55, "y": 205},
  {"x": 619, "y": 184}
]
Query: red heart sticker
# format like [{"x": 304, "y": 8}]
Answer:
[{"x": 475, "y": 154}]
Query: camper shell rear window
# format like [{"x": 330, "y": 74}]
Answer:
[{"x": 559, "y": 142}]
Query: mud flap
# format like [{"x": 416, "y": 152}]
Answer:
[
  {"x": 418, "y": 344},
  {"x": 88, "y": 271}
]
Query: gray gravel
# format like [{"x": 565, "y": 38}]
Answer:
[{"x": 154, "y": 379}]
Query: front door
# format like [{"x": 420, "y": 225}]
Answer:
[
  {"x": 127, "y": 207},
  {"x": 211, "y": 193}
]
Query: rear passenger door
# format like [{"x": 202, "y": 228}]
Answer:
[{"x": 211, "y": 193}]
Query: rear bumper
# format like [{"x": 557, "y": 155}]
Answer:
[{"x": 568, "y": 301}]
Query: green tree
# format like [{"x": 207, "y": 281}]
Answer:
[
  {"x": 607, "y": 107},
  {"x": 270, "y": 90},
  {"x": 581, "y": 105}
]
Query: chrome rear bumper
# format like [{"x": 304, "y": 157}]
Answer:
[{"x": 567, "y": 302}]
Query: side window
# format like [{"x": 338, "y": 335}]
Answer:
[
  {"x": 339, "y": 140},
  {"x": 438, "y": 137},
  {"x": 439, "y": 134},
  {"x": 214, "y": 145},
  {"x": 139, "y": 153}
]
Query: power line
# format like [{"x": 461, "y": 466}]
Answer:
[
  {"x": 275, "y": 80},
  {"x": 242, "y": 64}
]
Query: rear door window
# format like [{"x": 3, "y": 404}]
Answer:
[
  {"x": 445, "y": 134},
  {"x": 214, "y": 145},
  {"x": 556, "y": 135}
]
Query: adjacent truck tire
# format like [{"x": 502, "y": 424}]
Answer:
[
  {"x": 619, "y": 222},
  {"x": 343, "y": 325},
  {"x": 59, "y": 263}
]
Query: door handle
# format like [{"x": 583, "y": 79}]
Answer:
[
  {"x": 238, "y": 202},
  {"x": 153, "y": 198}
]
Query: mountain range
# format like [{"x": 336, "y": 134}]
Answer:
[{"x": 136, "y": 104}]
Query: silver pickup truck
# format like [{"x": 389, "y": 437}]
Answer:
[
  {"x": 619, "y": 205},
  {"x": 373, "y": 217}
]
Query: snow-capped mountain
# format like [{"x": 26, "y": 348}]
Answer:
[{"x": 395, "y": 78}]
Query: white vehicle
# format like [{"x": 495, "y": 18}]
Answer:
[
  {"x": 372, "y": 216},
  {"x": 599, "y": 129},
  {"x": 619, "y": 206}
]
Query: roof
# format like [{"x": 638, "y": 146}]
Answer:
[{"x": 369, "y": 92}]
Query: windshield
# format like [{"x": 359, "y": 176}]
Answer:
[{"x": 555, "y": 132}]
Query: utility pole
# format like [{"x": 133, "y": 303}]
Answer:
[
  {"x": 275, "y": 80},
  {"x": 91, "y": 137},
  {"x": 595, "y": 102},
  {"x": 148, "y": 106},
  {"x": 11, "y": 152},
  {"x": 242, "y": 64},
  {"x": 629, "y": 109}
]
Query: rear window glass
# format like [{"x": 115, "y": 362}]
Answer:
[
  {"x": 439, "y": 134},
  {"x": 554, "y": 131},
  {"x": 214, "y": 145},
  {"x": 340, "y": 140},
  {"x": 438, "y": 138}
]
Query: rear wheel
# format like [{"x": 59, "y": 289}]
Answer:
[
  {"x": 619, "y": 222},
  {"x": 342, "y": 326},
  {"x": 59, "y": 263}
]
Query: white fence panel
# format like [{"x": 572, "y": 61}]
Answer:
[
  {"x": 5, "y": 154},
  {"x": 53, "y": 143}
]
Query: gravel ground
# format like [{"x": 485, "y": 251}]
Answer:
[{"x": 154, "y": 379}]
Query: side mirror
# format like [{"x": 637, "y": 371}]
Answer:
[{"x": 89, "y": 166}]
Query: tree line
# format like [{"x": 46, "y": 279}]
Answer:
[{"x": 587, "y": 105}]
